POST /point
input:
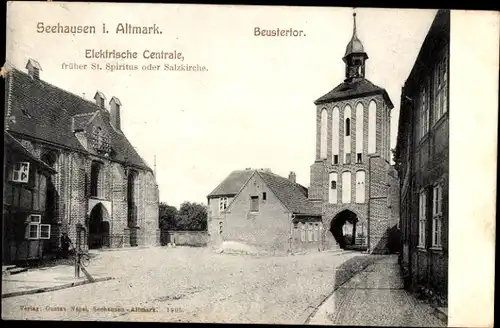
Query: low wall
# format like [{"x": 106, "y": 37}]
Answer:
[{"x": 184, "y": 238}]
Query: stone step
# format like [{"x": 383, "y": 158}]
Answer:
[{"x": 12, "y": 269}]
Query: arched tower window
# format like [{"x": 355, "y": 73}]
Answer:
[
  {"x": 347, "y": 134},
  {"x": 335, "y": 135},
  {"x": 372, "y": 127},
  {"x": 131, "y": 203},
  {"x": 324, "y": 131},
  {"x": 346, "y": 187},
  {"x": 359, "y": 133},
  {"x": 95, "y": 179},
  {"x": 332, "y": 193},
  {"x": 360, "y": 187}
]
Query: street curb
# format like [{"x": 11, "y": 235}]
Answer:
[
  {"x": 51, "y": 289},
  {"x": 313, "y": 307}
]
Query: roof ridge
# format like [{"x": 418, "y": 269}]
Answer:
[
  {"x": 61, "y": 89},
  {"x": 241, "y": 189},
  {"x": 274, "y": 191}
]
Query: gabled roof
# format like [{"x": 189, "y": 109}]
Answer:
[
  {"x": 291, "y": 194},
  {"x": 14, "y": 145},
  {"x": 232, "y": 184},
  {"x": 45, "y": 112},
  {"x": 354, "y": 89}
]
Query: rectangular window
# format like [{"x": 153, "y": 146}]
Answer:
[
  {"x": 20, "y": 172},
  {"x": 348, "y": 158},
  {"x": 440, "y": 103},
  {"x": 34, "y": 218},
  {"x": 264, "y": 196},
  {"x": 222, "y": 203},
  {"x": 302, "y": 232},
  {"x": 437, "y": 199},
  {"x": 359, "y": 158},
  {"x": 44, "y": 231},
  {"x": 254, "y": 205},
  {"x": 422, "y": 218},
  {"x": 32, "y": 231},
  {"x": 424, "y": 110},
  {"x": 335, "y": 159},
  {"x": 34, "y": 228}
]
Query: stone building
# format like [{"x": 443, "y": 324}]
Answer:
[
  {"x": 422, "y": 158},
  {"x": 103, "y": 189},
  {"x": 352, "y": 180}
]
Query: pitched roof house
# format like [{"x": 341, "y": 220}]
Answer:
[{"x": 264, "y": 210}]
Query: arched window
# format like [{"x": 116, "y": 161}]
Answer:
[
  {"x": 347, "y": 135},
  {"x": 346, "y": 187},
  {"x": 359, "y": 133},
  {"x": 335, "y": 135},
  {"x": 372, "y": 127},
  {"x": 131, "y": 199},
  {"x": 360, "y": 187},
  {"x": 332, "y": 193},
  {"x": 324, "y": 131},
  {"x": 95, "y": 183}
]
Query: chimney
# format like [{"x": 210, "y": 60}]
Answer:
[
  {"x": 34, "y": 69},
  {"x": 114, "y": 108},
  {"x": 100, "y": 99},
  {"x": 292, "y": 177}
]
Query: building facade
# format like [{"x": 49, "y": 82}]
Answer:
[
  {"x": 270, "y": 213},
  {"x": 26, "y": 229},
  {"x": 352, "y": 180},
  {"x": 103, "y": 191},
  {"x": 422, "y": 158}
]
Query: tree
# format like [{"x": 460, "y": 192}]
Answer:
[
  {"x": 167, "y": 217},
  {"x": 192, "y": 217}
]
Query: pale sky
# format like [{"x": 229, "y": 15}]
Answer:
[{"x": 252, "y": 108}]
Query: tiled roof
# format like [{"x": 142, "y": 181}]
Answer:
[
  {"x": 12, "y": 144},
  {"x": 291, "y": 194},
  {"x": 43, "y": 111},
  {"x": 232, "y": 184},
  {"x": 354, "y": 89}
]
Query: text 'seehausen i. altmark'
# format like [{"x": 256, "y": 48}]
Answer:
[{"x": 121, "y": 28}]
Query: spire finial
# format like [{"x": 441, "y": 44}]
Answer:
[{"x": 354, "y": 26}]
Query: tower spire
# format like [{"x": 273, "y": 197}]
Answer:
[{"x": 354, "y": 26}]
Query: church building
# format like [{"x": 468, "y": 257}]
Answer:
[
  {"x": 353, "y": 184},
  {"x": 99, "y": 190}
]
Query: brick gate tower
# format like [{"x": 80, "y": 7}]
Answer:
[{"x": 351, "y": 178}]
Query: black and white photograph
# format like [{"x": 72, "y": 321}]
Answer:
[{"x": 246, "y": 164}]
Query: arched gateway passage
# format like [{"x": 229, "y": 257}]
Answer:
[
  {"x": 98, "y": 227},
  {"x": 341, "y": 221}
]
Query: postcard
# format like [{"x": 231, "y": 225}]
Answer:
[{"x": 249, "y": 164}]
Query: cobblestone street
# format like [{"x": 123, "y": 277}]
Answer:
[
  {"x": 188, "y": 285},
  {"x": 376, "y": 296}
]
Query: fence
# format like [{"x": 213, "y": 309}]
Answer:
[{"x": 184, "y": 238}]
